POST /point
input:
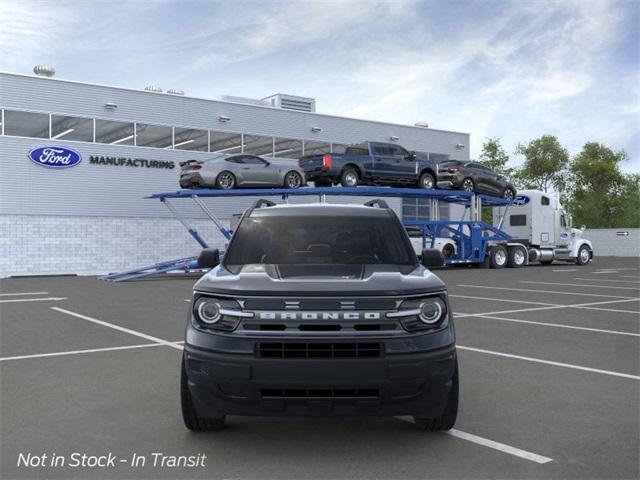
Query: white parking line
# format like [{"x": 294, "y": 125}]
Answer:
[
  {"x": 551, "y": 306},
  {"x": 605, "y": 280},
  {"x": 581, "y": 285},
  {"x": 628, "y": 276},
  {"x": 20, "y": 300},
  {"x": 23, "y": 293},
  {"x": 501, "y": 300},
  {"x": 558, "y": 325},
  {"x": 78, "y": 352},
  {"x": 119, "y": 328},
  {"x": 528, "y": 290},
  {"x": 549, "y": 362},
  {"x": 567, "y": 270},
  {"x": 485, "y": 442}
]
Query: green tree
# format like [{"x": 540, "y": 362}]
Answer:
[
  {"x": 494, "y": 156},
  {"x": 600, "y": 195},
  {"x": 544, "y": 165}
]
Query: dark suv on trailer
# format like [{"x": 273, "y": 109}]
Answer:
[{"x": 319, "y": 310}]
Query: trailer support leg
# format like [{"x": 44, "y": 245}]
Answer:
[{"x": 193, "y": 232}]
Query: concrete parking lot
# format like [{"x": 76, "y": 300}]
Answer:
[{"x": 549, "y": 371}]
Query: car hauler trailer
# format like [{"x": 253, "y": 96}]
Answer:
[
  {"x": 468, "y": 241},
  {"x": 538, "y": 221}
]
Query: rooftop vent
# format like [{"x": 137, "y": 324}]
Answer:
[
  {"x": 153, "y": 88},
  {"x": 291, "y": 102},
  {"x": 421, "y": 124},
  {"x": 175, "y": 91},
  {"x": 44, "y": 71}
]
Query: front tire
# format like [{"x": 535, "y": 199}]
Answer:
[
  {"x": 189, "y": 415},
  {"x": 448, "y": 251},
  {"x": 427, "y": 181},
  {"x": 448, "y": 418},
  {"x": 293, "y": 180},
  {"x": 498, "y": 257},
  {"x": 226, "y": 180},
  {"x": 509, "y": 194},
  {"x": 349, "y": 178},
  {"x": 584, "y": 255}
]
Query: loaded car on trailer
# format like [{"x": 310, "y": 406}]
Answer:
[
  {"x": 319, "y": 310},
  {"x": 371, "y": 163},
  {"x": 241, "y": 170},
  {"x": 474, "y": 177}
]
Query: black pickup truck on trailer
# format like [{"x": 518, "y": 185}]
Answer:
[
  {"x": 371, "y": 163},
  {"x": 319, "y": 310}
]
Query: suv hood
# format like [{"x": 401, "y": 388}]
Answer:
[{"x": 320, "y": 280}]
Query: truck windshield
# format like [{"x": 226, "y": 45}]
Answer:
[{"x": 350, "y": 240}]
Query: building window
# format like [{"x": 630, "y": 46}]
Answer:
[
  {"x": 114, "y": 133},
  {"x": 314, "y": 148},
  {"x": 26, "y": 124},
  {"x": 419, "y": 209},
  {"x": 157, "y": 136},
  {"x": 225, "y": 142},
  {"x": 287, "y": 148},
  {"x": 258, "y": 145},
  {"x": 338, "y": 147},
  {"x": 71, "y": 128},
  {"x": 190, "y": 139}
]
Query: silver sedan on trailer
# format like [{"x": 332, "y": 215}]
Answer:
[{"x": 241, "y": 170}]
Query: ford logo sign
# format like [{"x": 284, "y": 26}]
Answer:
[
  {"x": 55, "y": 157},
  {"x": 521, "y": 200}
]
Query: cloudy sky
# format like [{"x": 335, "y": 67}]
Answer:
[{"x": 514, "y": 69}]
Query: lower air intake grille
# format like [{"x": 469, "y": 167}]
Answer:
[
  {"x": 320, "y": 393},
  {"x": 319, "y": 350}
]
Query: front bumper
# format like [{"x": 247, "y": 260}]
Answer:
[{"x": 406, "y": 379}]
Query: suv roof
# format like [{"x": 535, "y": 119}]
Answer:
[{"x": 321, "y": 209}]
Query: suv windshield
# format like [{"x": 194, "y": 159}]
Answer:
[{"x": 296, "y": 240}]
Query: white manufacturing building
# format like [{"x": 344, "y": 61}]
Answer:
[{"x": 93, "y": 218}]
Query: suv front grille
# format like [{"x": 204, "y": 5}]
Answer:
[
  {"x": 319, "y": 350},
  {"x": 320, "y": 304}
]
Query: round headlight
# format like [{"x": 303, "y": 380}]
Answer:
[
  {"x": 208, "y": 311},
  {"x": 431, "y": 310}
]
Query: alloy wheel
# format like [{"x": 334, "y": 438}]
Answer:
[{"x": 293, "y": 180}]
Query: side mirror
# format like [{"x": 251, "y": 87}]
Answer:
[
  {"x": 432, "y": 257},
  {"x": 412, "y": 156},
  {"x": 209, "y": 258}
]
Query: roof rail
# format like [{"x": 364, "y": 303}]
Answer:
[{"x": 377, "y": 201}]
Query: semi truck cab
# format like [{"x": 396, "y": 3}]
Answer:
[{"x": 538, "y": 221}]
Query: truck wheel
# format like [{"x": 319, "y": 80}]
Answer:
[
  {"x": 191, "y": 419},
  {"x": 427, "y": 181},
  {"x": 584, "y": 255},
  {"x": 448, "y": 251},
  {"x": 499, "y": 257},
  {"x": 226, "y": 180},
  {"x": 448, "y": 418},
  {"x": 349, "y": 178},
  {"x": 517, "y": 257}
]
